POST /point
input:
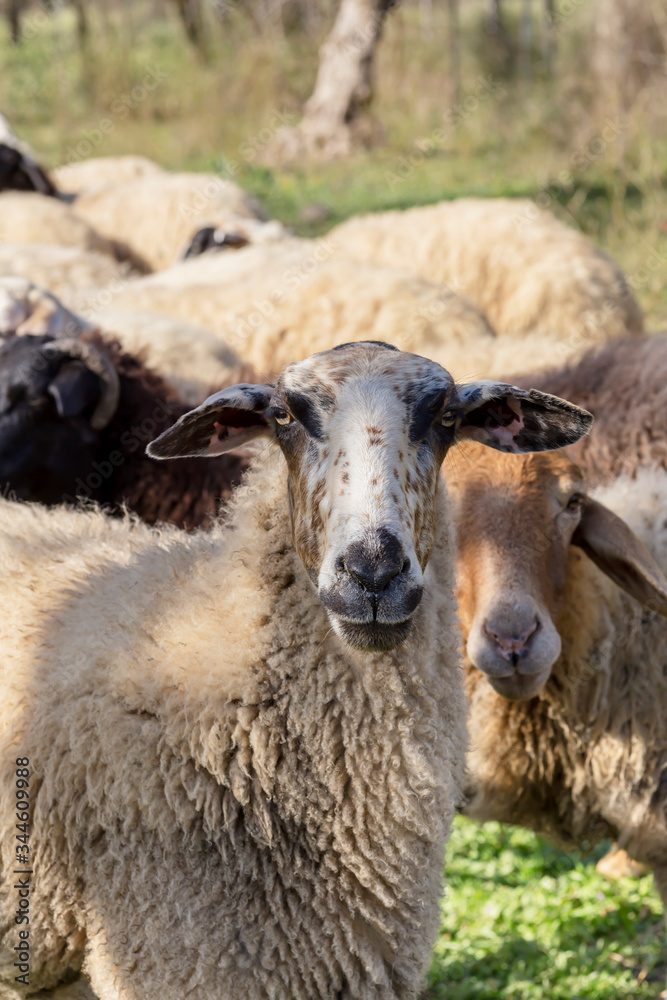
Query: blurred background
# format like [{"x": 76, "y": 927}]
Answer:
[
  {"x": 564, "y": 101},
  {"x": 560, "y": 101}
]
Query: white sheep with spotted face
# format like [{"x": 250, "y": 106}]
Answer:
[{"x": 247, "y": 744}]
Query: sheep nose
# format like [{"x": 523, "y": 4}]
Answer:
[
  {"x": 375, "y": 561},
  {"x": 512, "y": 645}
]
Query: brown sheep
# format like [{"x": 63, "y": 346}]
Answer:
[
  {"x": 565, "y": 674},
  {"x": 626, "y": 437}
]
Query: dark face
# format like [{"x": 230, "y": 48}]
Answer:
[
  {"x": 18, "y": 174},
  {"x": 46, "y": 442}
]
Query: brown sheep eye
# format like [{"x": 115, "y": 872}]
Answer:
[
  {"x": 575, "y": 501},
  {"x": 448, "y": 419},
  {"x": 283, "y": 417}
]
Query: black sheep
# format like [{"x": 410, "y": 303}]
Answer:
[{"x": 75, "y": 417}]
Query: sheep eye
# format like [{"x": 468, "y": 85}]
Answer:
[
  {"x": 448, "y": 418},
  {"x": 283, "y": 417},
  {"x": 575, "y": 501}
]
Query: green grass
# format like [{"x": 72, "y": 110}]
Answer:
[
  {"x": 524, "y": 921},
  {"x": 521, "y": 921}
]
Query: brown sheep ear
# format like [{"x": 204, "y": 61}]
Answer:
[
  {"x": 516, "y": 420},
  {"x": 617, "y": 551},
  {"x": 223, "y": 422}
]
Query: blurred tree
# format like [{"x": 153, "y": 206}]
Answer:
[
  {"x": 336, "y": 115},
  {"x": 526, "y": 39},
  {"x": 495, "y": 26},
  {"x": 548, "y": 35},
  {"x": 630, "y": 57},
  {"x": 14, "y": 9},
  {"x": 81, "y": 21},
  {"x": 190, "y": 12},
  {"x": 454, "y": 50}
]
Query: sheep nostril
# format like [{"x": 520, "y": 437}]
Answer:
[
  {"x": 406, "y": 566},
  {"x": 513, "y": 645}
]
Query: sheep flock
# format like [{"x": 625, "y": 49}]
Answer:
[{"x": 308, "y": 545}]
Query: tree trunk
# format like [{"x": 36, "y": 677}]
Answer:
[
  {"x": 496, "y": 29},
  {"x": 14, "y": 10},
  {"x": 548, "y": 37},
  {"x": 336, "y": 115},
  {"x": 454, "y": 50},
  {"x": 526, "y": 39},
  {"x": 426, "y": 18},
  {"x": 191, "y": 16},
  {"x": 81, "y": 21}
]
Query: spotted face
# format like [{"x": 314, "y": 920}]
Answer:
[{"x": 364, "y": 429}]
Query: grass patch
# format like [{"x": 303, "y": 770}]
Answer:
[{"x": 524, "y": 921}]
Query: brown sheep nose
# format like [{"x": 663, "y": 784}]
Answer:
[{"x": 512, "y": 646}]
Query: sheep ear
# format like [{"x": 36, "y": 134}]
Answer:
[
  {"x": 74, "y": 388},
  {"x": 519, "y": 420},
  {"x": 225, "y": 421},
  {"x": 616, "y": 550}
]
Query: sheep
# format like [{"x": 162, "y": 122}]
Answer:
[
  {"x": 246, "y": 745},
  {"x": 234, "y": 234},
  {"x": 275, "y": 303},
  {"x": 83, "y": 176},
  {"x": 75, "y": 417},
  {"x": 26, "y": 308},
  {"x": 18, "y": 169},
  {"x": 189, "y": 358},
  {"x": 31, "y": 218},
  {"x": 155, "y": 217},
  {"x": 625, "y": 439},
  {"x": 527, "y": 271},
  {"x": 565, "y": 673},
  {"x": 84, "y": 280},
  {"x": 630, "y": 430}
]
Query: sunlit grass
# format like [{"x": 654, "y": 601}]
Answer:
[{"x": 524, "y": 921}]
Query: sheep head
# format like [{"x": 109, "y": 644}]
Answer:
[
  {"x": 56, "y": 397},
  {"x": 517, "y": 517},
  {"x": 364, "y": 429}
]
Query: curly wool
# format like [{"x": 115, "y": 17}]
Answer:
[
  {"x": 526, "y": 270},
  {"x": 277, "y": 303},
  {"x": 190, "y": 358},
  {"x": 228, "y": 801},
  {"x": 624, "y": 385},
  {"x": 587, "y": 758},
  {"x": 82, "y": 176},
  {"x": 26, "y": 217},
  {"x": 84, "y": 280},
  {"x": 155, "y": 216}
]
